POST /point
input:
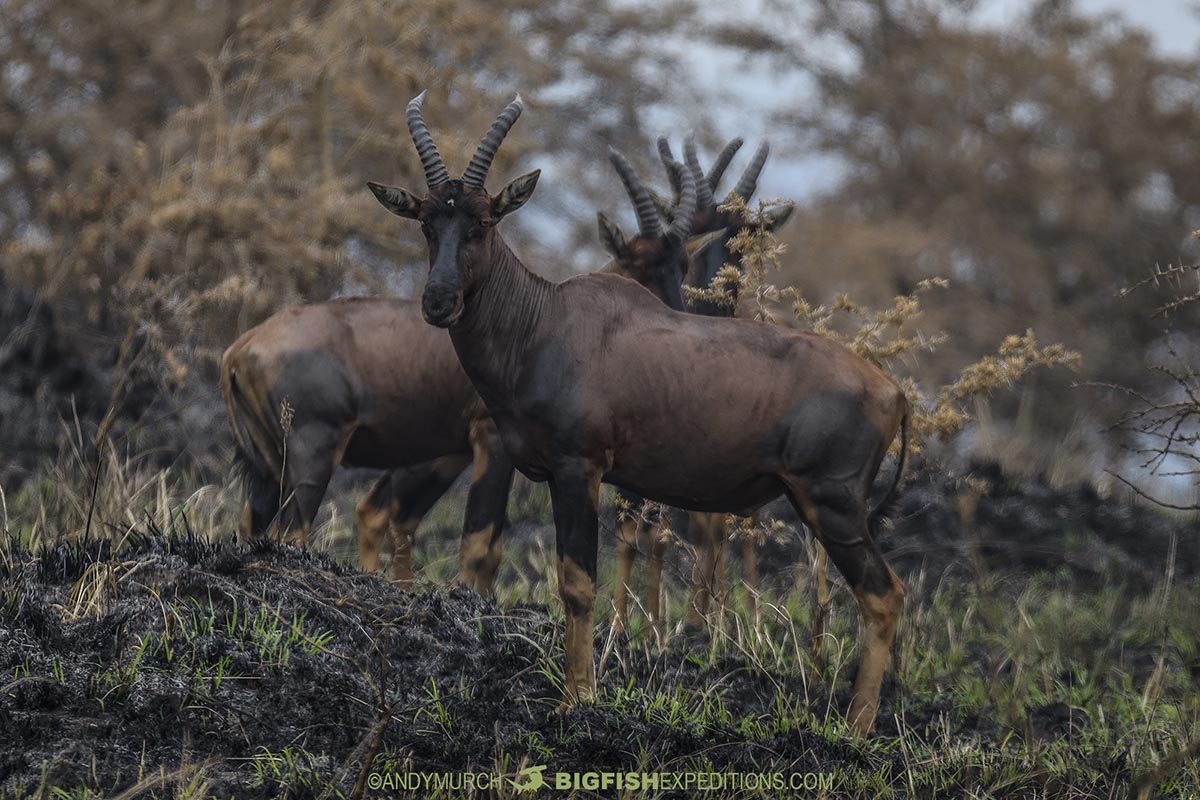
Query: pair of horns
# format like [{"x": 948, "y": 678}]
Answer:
[
  {"x": 707, "y": 184},
  {"x": 481, "y": 162},
  {"x": 649, "y": 223}
]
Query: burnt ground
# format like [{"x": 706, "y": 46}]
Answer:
[
  {"x": 57, "y": 381},
  {"x": 280, "y": 670},
  {"x": 171, "y": 667},
  {"x": 44, "y": 380},
  {"x": 1018, "y": 524}
]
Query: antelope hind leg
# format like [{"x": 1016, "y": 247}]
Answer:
[
  {"x": 628, "y": 544},
  {"x": 486, "y": 516},
  {"x": 374, "y": 516},
  {"x": 838, "y": 517}
]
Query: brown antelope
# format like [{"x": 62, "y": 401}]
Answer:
[
  {"x": 369, "y": 384},
  {"x": 708, "y": 533},
  {"x": 365, "y": 383},
  {"x": 593, "y": 380}
]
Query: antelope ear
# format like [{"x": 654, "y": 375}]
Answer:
[
  {"x": 698, "y": 243},
  {"x": 398, "y": 201},
  {"x": 775, "y": 217},
  {"x": 515, "y": 195},
  {"x": 611, "y": 236}
]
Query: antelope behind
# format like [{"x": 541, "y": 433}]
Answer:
[
  {"x": 363, "y": 382},
  {"x": 707, "y": 531}
]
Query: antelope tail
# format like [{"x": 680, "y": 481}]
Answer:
[
  {"x": 885, "y": 505},
  {"x": 258, "y": 443}
]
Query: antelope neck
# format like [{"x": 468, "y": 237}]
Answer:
[{"x": 501, "y": 315}]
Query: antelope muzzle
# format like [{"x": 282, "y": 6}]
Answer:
[{"x": 441, "y": 303}]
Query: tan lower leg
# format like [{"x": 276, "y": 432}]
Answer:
[
  {"x": 402, "y": 545},
  {"x": 627, "y": 549},
  {"x": 822, "y": 610},
  {"x": 486, "y": 576},
  {"x": 704, "y": 568},
  {"x": 654, "y": 582},
  {"x": 300, "y": 537},
  {"x": 246, "y": 525},
  {"x": 750, "y": 573},
  {"x": 578, "y": 592},
  {"x": 717, "y": 544},
  {"x": 473, "y": 556},
  {"x": 373, "y": 525},
  {"x": 880, "y": 615}
]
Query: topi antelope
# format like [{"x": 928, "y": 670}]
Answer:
[
  {"x": 368, "y": 384},
  {"x": 371, "y": 385},
  {"x": 593, "y": 380}
]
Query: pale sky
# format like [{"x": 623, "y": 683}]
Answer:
[
  {"x": 1174, "y": 24},
  {"x": 746, "y": 95}
]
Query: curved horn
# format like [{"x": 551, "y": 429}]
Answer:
[
  {"x": 722, "y": 163},
  {"x": 481, "y": 162},
  {"x": 681, "y": 225},
  {"x": 749, "y": 181},
  {"x": 648, "y": 221},
  {"x": 673, "y": 167},
  {"x": 431, "y": 160},
  {"x": 704, "y": 196}
]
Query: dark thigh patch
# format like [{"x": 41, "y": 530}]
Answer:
[{"x": 828, "y": 436}]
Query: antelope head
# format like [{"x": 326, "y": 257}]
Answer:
[
  {"x": 458, "y": 217},
  {"x": 708, "y": 217},
  {"x": 655, "y": 258}
]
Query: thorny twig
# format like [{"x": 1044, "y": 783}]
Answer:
[{"x": 1166, "y": 428}]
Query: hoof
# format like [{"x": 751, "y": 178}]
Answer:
[{"x": 570, "y": 703}]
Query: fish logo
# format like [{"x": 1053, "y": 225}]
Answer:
[{"x": 536, "y": 780}]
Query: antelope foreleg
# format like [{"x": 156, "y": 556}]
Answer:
[{"x": 575, "y": 493}]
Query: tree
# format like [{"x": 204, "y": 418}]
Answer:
[
  {"x": 185, "y": 169},
  {"x": 1041, "y": 167}
]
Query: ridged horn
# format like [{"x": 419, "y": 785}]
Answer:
[
  {"x": 722, "y": 163},
  {"x": 704, "y": 196},
  {"x": 431, "y": 159},
  {"x": 648, "y": 221},
  {"x": 749, "y": 181},
  {"x": 673, "y": 167},
  {"x": 681, "y": 225},
  {"x": 477, "y": 171}
]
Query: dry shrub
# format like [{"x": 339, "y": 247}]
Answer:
[
  {"x": 1162, "y": 426},
  {"x": 234, "y": 186},
  {"x": 887, "y": 337}
]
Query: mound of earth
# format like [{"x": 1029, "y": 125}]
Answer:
[{"x": 178, "y": 651}]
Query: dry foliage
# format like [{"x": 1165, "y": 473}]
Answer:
[
  {"x": 1039, "y": 163},
  {"x": 197, "y": 167},
  {"x": 888, "y": 337}
]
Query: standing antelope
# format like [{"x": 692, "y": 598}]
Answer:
[
  {"x": 369, "y": 384},
  {"x": 593, "y": 380}
]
